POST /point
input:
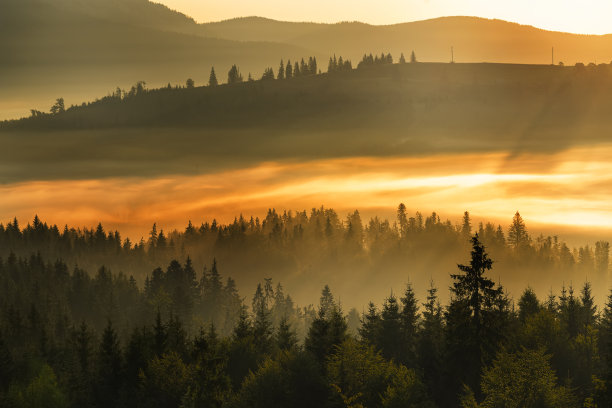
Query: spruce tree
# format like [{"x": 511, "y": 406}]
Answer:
[
  {"x": 391, "y": 342},
  {"x": 409, "y": 326},
  {"x": 370, "y": 326},
  {"x": 517, "y": 233},
  {"x": 286, "y": 338},
  {"x": 212, "y": 79},
  {"x": 110, "y": 368},
  {"x": 472, "y": 330},
  {"x": 281, "y": 71}
]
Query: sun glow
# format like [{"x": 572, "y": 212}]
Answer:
[
  {"x": 565, "y": 189},
  {"x": 591, "y": 17}
]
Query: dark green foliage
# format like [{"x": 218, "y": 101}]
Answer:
[
  {"x": 110, "y": 375},
  {"x": 293, "y": 379},
  {"x": 187, "y": 340},
  {"x": 475, "y": 319},
  {"x": 286, "y": 338},
  {"x": 528, "y": 304},
  {"x": 328, "y": 330},
  {"x": 523, "y": 379}
]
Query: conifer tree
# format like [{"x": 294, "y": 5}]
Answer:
[
  {"x": 212, "y": 79},
  {"x": 430, "y": 344},
  {"x": 234, "y": 76},
  {"x": 413, "y": 58},
  {"x": 391, "y": 342},
  {"x": 517, "y": 233},
  {"x": 110, "y": 368},
  {"x": 409, "y": 326},
  {"x": 473, "y": 333},
  {"x": 289, "y": 70},
  {"x": 281, "y": 70},
  {"x": 296, "y": 70},
  {"x": 286, "y": 338},
  {"x": 370, "y": 326}
]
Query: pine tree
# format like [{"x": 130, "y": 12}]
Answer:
[
  {"x": 296, "y": 70},
  {"x": 409, "y": 326},
  {"x": 110, "y": 368},
  {"x": 517, "y": 233},
  {"x": 473, "y": 332},
  {"x": 528, "y": 304},
  {"x": 589, "y": 310},
  {"x": 402, "y": 220},
  {"x": 430, "y": 344},
  {"x": 286, "y": 338},
  {"x": 160, "y": 336},
  {"x": 370, "y": 326},
  {"x": 328, "y": 329},
  {"x": 212, "y": 79},
  {"x": 289, "y": 70},
  {"x": 234, "y": 76},
  {"x": 605, "y": 346},
  {"x": 281, "y": 71},
  {"x": 402, "y": 60},
  {"x": 413, "y": 58},
  {"x": 466, "y": 227},
  {"x": 391, "y": 342}
]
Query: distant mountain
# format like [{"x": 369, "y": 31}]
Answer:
[
  {"x": 82, "y": 48},
  {"x": 474, "y": 39},
  {"x": 79, "y": 49}
]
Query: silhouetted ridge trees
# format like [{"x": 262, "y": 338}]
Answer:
[
  {"x": 337, "y": 65},
  {"x": 369, "y": 60}
]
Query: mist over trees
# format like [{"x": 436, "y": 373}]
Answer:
[{"x": 187, "y": 337}]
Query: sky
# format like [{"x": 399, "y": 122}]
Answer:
[{"x": 576, "y": 16}]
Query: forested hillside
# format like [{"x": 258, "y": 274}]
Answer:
[
  {"x": 188, "y": 338},
  {"x": 377, "y": 109}
]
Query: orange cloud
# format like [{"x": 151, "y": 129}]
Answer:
[{"x": 567, "y": 189}]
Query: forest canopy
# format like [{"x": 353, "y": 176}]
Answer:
[{"x": 188, "y": 338}]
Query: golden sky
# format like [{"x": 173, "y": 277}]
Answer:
[{"x": 577, "y": 16}]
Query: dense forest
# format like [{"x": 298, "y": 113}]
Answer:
[
  {"x": 306, "y": 250},
  {"x": 186, "y": 338}
]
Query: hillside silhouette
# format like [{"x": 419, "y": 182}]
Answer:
[
  {"x": 412, "y": 109},
  {"x": 83, "y": 48}
]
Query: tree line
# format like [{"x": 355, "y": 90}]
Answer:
[{"x": 188, "y": 339}]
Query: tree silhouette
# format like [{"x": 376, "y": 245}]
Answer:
[
  {"x": 212, "y": 79},
  {"x": 234, "y": 76},
  {"x": 58, "y": 106}
]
